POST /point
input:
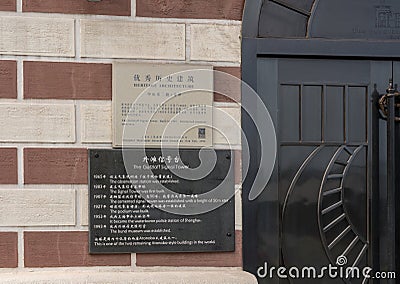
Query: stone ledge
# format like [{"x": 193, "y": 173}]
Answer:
[{"x": 93, "y": 277}]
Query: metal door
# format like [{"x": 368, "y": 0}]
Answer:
[{"x": 329, "y": 199}]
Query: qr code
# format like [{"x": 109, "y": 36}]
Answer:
[{"x": 202, "y": 133}]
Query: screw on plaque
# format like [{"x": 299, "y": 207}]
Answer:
[
  {"x": 96, "y": 155},
  {"x": 229, "y": 234}
]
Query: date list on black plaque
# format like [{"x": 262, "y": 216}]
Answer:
[{"x": 161, "y": 201}]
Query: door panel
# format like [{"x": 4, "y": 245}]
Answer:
[
  {"x": 324, "y": 173},
  {"x": 311, "y": 111},
  {"x": 334, "y": 113},
  {"x": 318, "y": 220},
  {"x": 301, "y": 241},
  {"x": 357, "y": 99}
]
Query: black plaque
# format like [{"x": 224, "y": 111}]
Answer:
[{"x": 146, "y": 205}]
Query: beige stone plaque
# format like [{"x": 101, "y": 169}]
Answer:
[{"x": 162, "y": 105}]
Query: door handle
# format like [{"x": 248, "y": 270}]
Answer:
[{"x": 391, "y": 93}]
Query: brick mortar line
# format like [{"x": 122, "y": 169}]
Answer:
[
  {"x": 133, "y": 9},
  {"x": 68, "y": 269},
  {"x": 226, "y": 147},
  {"x": 80, "y": 103},
  {"x": 55, "y": 146},
  {"x": 83, "y": 145},
  {"x": 120, "y": 269},
  {"x": 46, "y": 187},
  {"x": 84, "y": 269},
  {"x": 190, "y": 21},
  {"x": 217, "y": 146},
  {"x": 77, "y": 205},
  {"x": 58, "y": 101},
  {"x": 133, "y": 261},
  {"x": 9, "y": 186},
  {"x": 78, "y": 123},
  {"x": 78, "y": 209},
  {"x": 120, "y": 18},
  {"x": 185, "y": 268},
  {"x": 98, "y": 60},
  {"x": 19, "y": 6},
  {"x": 21, "y": 249},
  {"x": 42, "y": 229},
  {"x": 77, "y": 39},
  {"x": 187, "y": 42},
  {"x": 62, "y": 16},
  {"x": 223, "y": 105},
  {"x": 77, "y": 187},
  {"x": 20, "y": 166},
  {"x": 20, "y": 79},
  {"x": 9, "y": 101}
]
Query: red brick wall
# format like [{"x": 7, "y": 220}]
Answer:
[
  {"x": 55, "y": 166},
  {"x": 66, "y": 249},
  {"x": 8, "y": 166},
  {"x": 8, "y": 250},
  {"x": 227, "y": 84},
  {"x": 196, "y": 9},
  {"x": 104, "y": 7},
  {"x": 8, "y": 5},
  {"x": 62, "y": 80},
  {"x": 8, "y": 79}
]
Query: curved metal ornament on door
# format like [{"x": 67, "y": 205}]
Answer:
[
  {"x": 336, "y": 193},
  {"x": 334, "y": 211}
]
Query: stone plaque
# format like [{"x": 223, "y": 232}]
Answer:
[
  {"x": 153, "y": 205},
  {"x": 162, "y": 104}
]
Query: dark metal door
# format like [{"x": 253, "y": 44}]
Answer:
[{"x": 327, "y": 201}]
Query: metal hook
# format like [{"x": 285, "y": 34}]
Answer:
[{"x": 383, "y": 100}]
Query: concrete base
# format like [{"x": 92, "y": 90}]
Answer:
[{"x": 93, "y": 277}]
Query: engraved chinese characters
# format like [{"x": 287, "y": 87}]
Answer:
[
  {"x": 129, "y": 212},
  {"x": 162, "y": 105}
]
